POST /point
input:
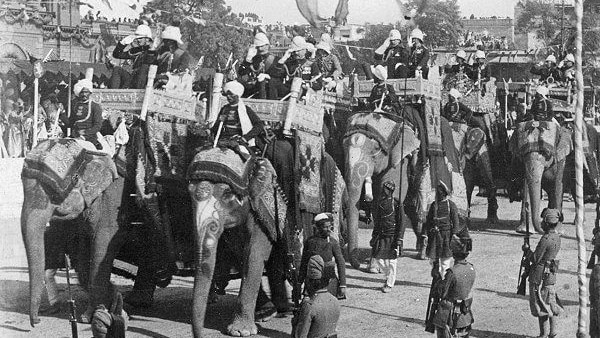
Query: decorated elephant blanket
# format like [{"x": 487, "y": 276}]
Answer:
[
  {"x": 380, "y": 127},
  {"x": 537, "y": 136},
  {"x": 222, "y": 165},
  {"x": 62, "y": 164}
]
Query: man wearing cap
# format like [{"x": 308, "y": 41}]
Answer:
[
  {"x": 454, "y": 110},
  {"x": 543, "y": 299},
  {"x": 328, "y": 248},
  {"x": 419, "y": 55},
  {"x": 442, "y": 224},
  {"x": 383, "y": 91},
  {"x": 320, "y": 311},
  {"x": 329, "y": 64},
  {"x": 171, "y": 55},
  {"x": 461, "y": 65},
  {"x": 567, "y": 68},
  {"x": 541, "y": 107},
  {"x": 453, "y": 317},
  {"x": 478, "y": 72},
  {"x": 86, "y": 116},
  {"x": 394, "y": 55},
  {"x": 547, "y": 70},
  {"x": 254, "y": 69},
  {"x": 294, "y": 63},
  {"x": 236, "y": 122},
  {"x": 134, "y": 47}
]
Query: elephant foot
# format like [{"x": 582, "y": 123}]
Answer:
[
  {"x": 86, "y": 317},
  {"x": 242, "y": 327}
]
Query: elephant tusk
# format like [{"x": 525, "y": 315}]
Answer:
[{"x": 368, "y": 189}]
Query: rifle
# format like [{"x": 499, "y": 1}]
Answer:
[
  {"x": 433, "y": 300},
  {"x": 292, "y": 272},
  {"x": 71, "y": 301},
  {"x": 525, "y": 267}
]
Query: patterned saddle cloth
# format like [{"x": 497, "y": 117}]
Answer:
[
  {"x": 61, "y": 164},
  {"x": 382, "y": 127},
  {"x": 222, "y": 165},
  {"x": 537, "y": 136}
]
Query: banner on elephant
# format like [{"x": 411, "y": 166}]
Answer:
[{"x": 309, "y": 151}]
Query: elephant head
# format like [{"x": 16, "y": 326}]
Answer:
[
  {"x": 221, "y": 203},
  {"x": 371, "y": 151}
]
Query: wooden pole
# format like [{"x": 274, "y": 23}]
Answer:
[
  {"x": 36, "y": 111},
  {"x": 148, "y": 91},
  {"x": 215, "y": 99},
  {"x": 579, "y": 206},
  {"x": 293, "y": 103}
]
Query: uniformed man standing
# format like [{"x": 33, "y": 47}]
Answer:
[
  {"x": 453, "y": 317},
  {"x": 86, "y": 116},
  {"x": 419, "y": 55},
  {"x": 543, "y": 299},
  {"x": 394, "y": 55}
]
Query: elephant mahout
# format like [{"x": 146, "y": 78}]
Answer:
[
  {"x": 379, "y": 148},
  {"x": 228, "y": 192},
  {"x": 64, "y": 181}
]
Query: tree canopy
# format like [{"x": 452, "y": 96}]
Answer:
[
  {"x": 439, "y": 20},
  {"x": 541, "y": 16}
]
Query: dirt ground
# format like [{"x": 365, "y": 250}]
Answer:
[{"x": 367, "y": 312}]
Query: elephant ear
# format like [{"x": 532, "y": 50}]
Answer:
[
  {"x": 268, "y": 201},
  {"x": 565, "y": 144},
  {"x": 407, "y": 143}
]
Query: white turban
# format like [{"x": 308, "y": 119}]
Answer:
[
  {"x": 380, "y": 72},
  {"x": 542, "y": 91},
  {"x": 234, "y": 87},
  {"x": 455, "y": 93},
  {"x": 83, "y": 83}
]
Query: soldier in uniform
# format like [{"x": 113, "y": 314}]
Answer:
[
  {"x": 172, "y": 58},
  {"x": 294, "y": 63},
  {"x": 253, "y": 70},
  {"x": 541, "y": 107},
  {"x": 543, "y": 299},
  {"x": 383, "y": 91},
  {"x": 134, "y": 47},
  {"x": 478, "y": 72},
  {"x": 322, "y": 244},
  {"x": 320, "y": 311},
  {"x": 441, "y": 226},
  {"x": 419, "y": 55},
  {"x": 461, "y": 64},
  {"x": 453, "y": 317},
  {"x": 386, "y": 241},
  {"x": 86, "y": 116},
  {"x": 328, "y": 63},
  {"x": 567, "y": 68},
  {"x": 394, "y": 55},
  {"x": 547, "y": 70},
  {"x": 456, "y": 111}
]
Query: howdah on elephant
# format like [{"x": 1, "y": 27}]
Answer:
[
  {"x": 63, "y": 181},
  {"x": 227, "y": 192}
]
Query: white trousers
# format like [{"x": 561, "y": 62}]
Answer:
[
  {"x": 51, "y": 286},
  {"x": 445, "y": 264},
  {"x": 388, "y": 267}
]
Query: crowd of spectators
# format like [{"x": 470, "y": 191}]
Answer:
[{"x": 483, "y": 41}]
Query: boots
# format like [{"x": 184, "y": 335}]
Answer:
[
  {"x": 372, "y": 266},
  {"x": 422, "y": 252}
]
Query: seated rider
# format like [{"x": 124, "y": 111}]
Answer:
[
  {"x": 547, "y": 70},
  {"x": 383, "y": 90},
  {"x": 541, "y": 107},
  {"x": 461, "y": 64},
  {"x": 236, "y": 124},
  {"x": 419, "y": 55},
  {"x": 293, "y": 63},
  {"x": 456, "y": 111},
  {"x": 329, "y": 64},
  {"x": 86, "y": 116},
  {"x": 134, "y": 47},
  {"x": 394, "y": 55},
  {"x": 478, "y": 72},
  {"x": 567, "y": 69},
  {"x": 253, "y": 70}
]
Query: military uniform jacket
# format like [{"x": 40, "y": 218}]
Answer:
[
  {"x": 248, "y": 71},
  {"x": 457, "y": 112},
  {"x": 318, "y": 316},
  {"x": 139, "y": 55},
  {"x": 85, "y": 120},
  {"x": 390, "y": 100},
  {"x": 396, "y": 60},
  {"x": 456, "y": 296},
  {"x": 418, "y": 58},
  {"x": 545, "y": 252},
  {"x": 541, "y": 110},
  {"x": 448, "y": 224},
  {"x": 329, "y": 249},
  {"x": 545, "y": 72},
  {"x": 232, "y": 125},
  {"x": 305, "y": 69},
  {"x": 330, "y": 66}
]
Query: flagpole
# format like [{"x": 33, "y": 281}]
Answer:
[
  {"x": 70, "y": 87},
  {"x": 579, "y": 206}
]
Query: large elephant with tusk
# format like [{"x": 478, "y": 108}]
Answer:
[
  {"x": 227, "y": 192},
  {"x": 379, "y": 148}
]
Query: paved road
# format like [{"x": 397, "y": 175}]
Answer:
[{"x": 498, "y": 311}]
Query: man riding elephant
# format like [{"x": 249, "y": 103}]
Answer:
[
  {"x": 456, "y": 111},
  {"x": 394, "y": 55},
  {"x": 328, "y": 63},
  {"x": 86, "y": 117},
  {"x": 253, "y": 71}
]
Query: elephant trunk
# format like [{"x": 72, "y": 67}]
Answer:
[
  {"x": 354, "y": 192},
  {"x": 33, "y": 224},
  {"x": 208, "y": 231},
  {"x": 534, "y": 170}
]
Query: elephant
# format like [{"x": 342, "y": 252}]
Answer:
[
  {"x": 539, "y": 150},
  {"x": 64, "y": 181},
  {"x": 379, "y": 148},
  {"x": 227, "y": 192}
]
